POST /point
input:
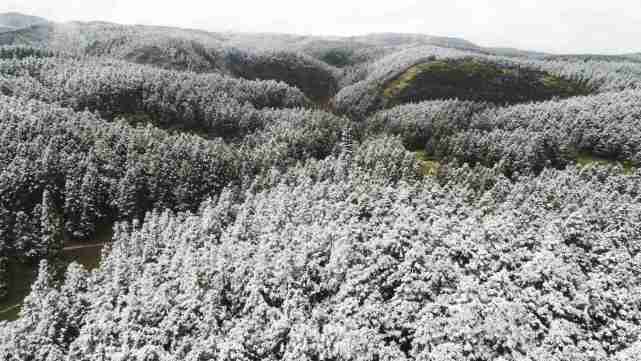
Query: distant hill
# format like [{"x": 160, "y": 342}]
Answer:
[
  {"x": 103, "y": 37},
  {"x": 318, "y": 65},
  {"x": 13, "y": 20},
  {"x": 513, "y": 52},
  {"x": 34, "y": 35},
  {"x": 187, "y": 49},
  {"x": 635, "y": 58},
  {"x": 396, "y": 39}
]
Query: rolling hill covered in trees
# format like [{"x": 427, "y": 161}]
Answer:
[
  {"x": 285, "y": 197},
  {"x": 14, "y": 21}
]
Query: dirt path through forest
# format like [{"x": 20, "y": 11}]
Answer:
[
  {"x": 72, "y": 248},
  {"x": 86, "y": 254},
  {"x": 9, "y": 309}
]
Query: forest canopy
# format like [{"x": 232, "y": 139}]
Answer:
[{"x": 282, "y": 197}]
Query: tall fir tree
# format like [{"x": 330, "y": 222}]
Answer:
[
  {"x": 90, "y": 194},
  {"x": 6, "y": 226},
  {"x": 4, "y": 276},
  {"x": 73, "y": 203},
  {"x": 50, "y": 229},
  {"x": 347, "y": 146},
  {"x": 131, "y": 198},
  {"x": 27, "y": 233},
  {"x": 39, "y": 289}
]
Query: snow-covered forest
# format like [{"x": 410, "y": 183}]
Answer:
[{"x": 280, "y": 197}]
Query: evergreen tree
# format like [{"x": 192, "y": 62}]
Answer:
[
  {"x": 27, "y": 234},
  {"x": 347, "y": 145},
  {"x": 33, "y": 305},
  {"x": 37, "y": 335},
  {"x": 6, "y": 227},
  {"x": 73, "y": 302},
  {"x": 4, "y": 272},
  {"x": 50, "y": 168},
  {"x": 131, "y": 198},
  {"x": 90, "y": 193},
  {"x": 50, "y": 226},
  {"x": 73, "y": 203}
]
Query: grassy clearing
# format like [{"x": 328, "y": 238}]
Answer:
[
  {"x": 473, "y": 79},
  {"x": 429, "y": 165},
  {"x": 398, "y": 85},
  {"x": 337, "y": 57},
  {"x": 22, "y": 275},
  {"x": 585, "y": 159}
]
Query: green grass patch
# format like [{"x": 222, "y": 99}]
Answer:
[
  {"x": 586, "y": 159},
  {"x": 564, "y": 87},
  {"x": 337, "y": 57},
  {"x": 89, "y": 257},
  {"x": 397, "y": 86},
  {"x": 429, "y": 165},
  {"x": 21, "y": 275},
  {"x": 141, "y": 119},
  {"x": 478, "y": 80},
  {"x": 136, "y": 118}
]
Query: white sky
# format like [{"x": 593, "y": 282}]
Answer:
[{"x": 561, "y": 26}]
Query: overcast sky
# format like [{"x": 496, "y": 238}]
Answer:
[{"x": 560, "y": 26}]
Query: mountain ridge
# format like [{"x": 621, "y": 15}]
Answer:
[
  {"x": 20, "y": 24},
  {"x": 16, "y": 20}
]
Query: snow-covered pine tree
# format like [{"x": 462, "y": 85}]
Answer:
[
  {"x": 27, "y": 235},
  {"x": 50, "y": 227},
  {"x": 73, "y": 301},
  {"x": 131, "y": 197},
  {"x": 346, "y": 148},
  {"x": 90, "y": 193},
  {"x": 50, "y": 171},
  {"x": 6, "y": 226},
  {"x": 43, "y": 284},
  {"x": 4, "y": 281},
  {"x": 73, "y": 203},
  {"x": 38, "y": 332}
]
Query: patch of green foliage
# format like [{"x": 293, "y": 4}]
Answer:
[
  {"x": 400, "y": 84},
  {"x": 586, "y": 159},
  {"x": 137, "y": 118},
  {"x": 142, "y": 119},
  {"x": 565, "y": 87},
  {"x": 337, "y": 57},
  {"x": 22, "y": 275},
  {"x": 472, "y": 79},
  {"x": 429, "y": 165}
]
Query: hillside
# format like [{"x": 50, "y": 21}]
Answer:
[
  {"x": 502, "y": 51},
  {"x": 309, "y": 63},
  {"x": 178, "y": 194},
  {"x": 597, "y": 57},
  {"x": 15, "y": 20},
  {"x": 391, "y": 39}
]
